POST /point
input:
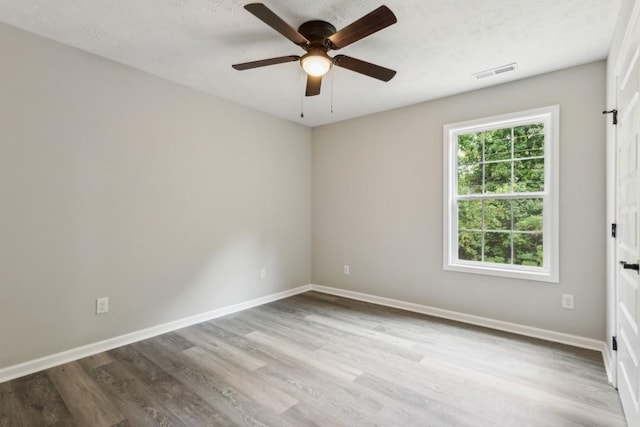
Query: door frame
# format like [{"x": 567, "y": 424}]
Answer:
[
  {"x": 628, "y": 26},
  {"x": 611, "y": 356}
]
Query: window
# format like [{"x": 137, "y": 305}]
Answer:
[{"x": 501, "y": 195}]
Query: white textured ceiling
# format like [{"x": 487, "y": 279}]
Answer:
[{"x": 435, "y": 46}]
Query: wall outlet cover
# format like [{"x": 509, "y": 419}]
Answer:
[
  {"x": 567, "y": 301},
  {"x": 102, "y": 305}
]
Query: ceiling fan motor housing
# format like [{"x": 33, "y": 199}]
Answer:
[{"x": 317, "y": 33}]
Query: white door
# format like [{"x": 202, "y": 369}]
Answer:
[{"x": 628, "y": 217}]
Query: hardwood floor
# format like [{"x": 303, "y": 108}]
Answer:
[{"x": 319, "y": 360}]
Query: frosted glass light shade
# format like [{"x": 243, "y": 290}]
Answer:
[{"x": 316, "y": 64}]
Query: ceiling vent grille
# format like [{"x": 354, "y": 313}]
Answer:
[{"x": 495, "y": 71}]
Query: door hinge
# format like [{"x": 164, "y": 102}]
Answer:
[
  {"x": 614, "y": 230},
  {"x": 615, "y": 115},
  {"x": 614, "y": 343}
]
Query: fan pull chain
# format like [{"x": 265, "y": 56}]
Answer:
[
  {"x": 303, "y": 79},
  {"x": 331, "y": 90}
]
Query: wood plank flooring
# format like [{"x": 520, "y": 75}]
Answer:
[{"x": 319, "y": 360}]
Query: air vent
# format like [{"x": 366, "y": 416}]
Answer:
[{"x": 495, "y": 71}]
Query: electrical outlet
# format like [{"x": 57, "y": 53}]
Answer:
[
  {"x": 567, "y": 301},
  {"x": 346, "y": 270},
  {"x": 263, "y": 273},
  {"x": 102, "y": 305}
]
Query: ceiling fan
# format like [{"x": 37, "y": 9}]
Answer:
[{"x": 317, "y": 38}]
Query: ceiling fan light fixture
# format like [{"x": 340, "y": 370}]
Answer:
[
  {"x": 318, "y": 37},
  {"x": 316, "y": 64}
]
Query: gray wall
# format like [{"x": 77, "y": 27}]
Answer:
[
  {"x": 169, "y": 201},
  {"x": 117, "y": 183},
  {"x": 377, "y": 205}
]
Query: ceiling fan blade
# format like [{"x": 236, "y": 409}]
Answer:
[
  {"x": 363, "y": 67},
  {"x": 265, "y": 62},
  {"x": 265, "y": 14},
  {"x": 374, "y": 21},
  {"x": 313, "y": 85}
]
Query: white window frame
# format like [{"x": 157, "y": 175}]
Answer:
[{"x": 549, "y": 272}]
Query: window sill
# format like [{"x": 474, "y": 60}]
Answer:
[{"x": 497, "y": 270}]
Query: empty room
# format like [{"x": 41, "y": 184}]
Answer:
[{"x": 399, "y": 213}]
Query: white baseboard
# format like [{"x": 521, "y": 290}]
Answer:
[
  {"x": 573, "y": 340},
  {"x": 50, "y": 361},
  {"x": 46, "y": 362}
]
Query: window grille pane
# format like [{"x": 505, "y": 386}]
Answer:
[
  {"x": 469, "y": 149},
  {"x": 497, "y": 247},
  {"x": 528, "y": 140},
  {"x": 527, "y": 249},
  {"x": 497, "y": 144},
  {"x": 497, "y": 214},
  {"x": 497, "y": 177},
  {"x": 470, "y": 179},
  {"x": 527, "y": 214},
  {"x": 470, "y": 245},
  {"x": 529, "y": 175},
  {"x": 470, "y": 215}
]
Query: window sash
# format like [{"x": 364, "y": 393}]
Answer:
[
  {"x": 512, "y": 240},
  {"x": 477, "y": 142}
]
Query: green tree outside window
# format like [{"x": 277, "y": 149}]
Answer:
[{"x": 500, "y": 216}]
